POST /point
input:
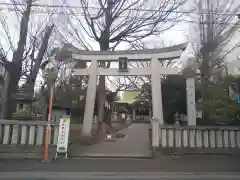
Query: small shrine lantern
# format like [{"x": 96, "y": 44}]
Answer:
[{"x": 24, "y": 101}]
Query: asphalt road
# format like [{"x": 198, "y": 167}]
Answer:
[
  {"x": 161, "y": 164},
  {"x": 113, "y": 176}
]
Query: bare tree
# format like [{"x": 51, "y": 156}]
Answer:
[
  {"x": 27, "y": 54},
  {"x": 141, "y": 83},
  {"x": 36, "y": 61},
  {"x": 114, "y": 22},
  {"x": 217, "y": 24}
]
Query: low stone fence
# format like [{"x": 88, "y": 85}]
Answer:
[
  {"x": 26, "y": 132},
  {"x": 199, "y": 137}
]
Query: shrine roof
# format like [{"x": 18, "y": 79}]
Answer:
[{"x": 128, "y": 97}]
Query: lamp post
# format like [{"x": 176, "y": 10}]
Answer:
[{"x": 50, "y": 72}]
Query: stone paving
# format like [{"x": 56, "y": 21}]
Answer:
[{"x": 134, "y": 144}]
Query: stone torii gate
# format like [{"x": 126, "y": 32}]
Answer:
[{"x": 154, "y": 70}]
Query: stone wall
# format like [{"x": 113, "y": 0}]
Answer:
[
  {"x": 199, "y": 137},
  {"x": 30, "y": 133}
]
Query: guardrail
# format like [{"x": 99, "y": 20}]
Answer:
[
  {"x": 199, "y": 137},
  {"x": 26, "y": 132}
]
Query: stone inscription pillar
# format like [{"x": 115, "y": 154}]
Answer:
[{"x": 191, "y": 103}]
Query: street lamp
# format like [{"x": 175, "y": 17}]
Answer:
[{"x": 50, "y": 72}]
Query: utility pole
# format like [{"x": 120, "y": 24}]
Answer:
[{"x": 50, "y": 72}]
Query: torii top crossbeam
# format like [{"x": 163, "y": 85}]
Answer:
[{"x": 167, "y": 53}]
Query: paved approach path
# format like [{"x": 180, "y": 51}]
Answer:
[{"x": 134, "y": 144}]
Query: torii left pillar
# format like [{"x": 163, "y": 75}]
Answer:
[
  {"x": 156, "y": 102},
  {"x": 90, "y": 101}
]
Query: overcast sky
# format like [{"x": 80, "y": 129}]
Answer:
[
  {"x": 174, "y": 36},
  {"x": 178, "y": 34}
]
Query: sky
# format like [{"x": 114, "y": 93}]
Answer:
[
  {"x": 173, "y": 36},
  {"x": 180, "y": 33}
]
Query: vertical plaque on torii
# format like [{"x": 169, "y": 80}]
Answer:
[{"x": 123, "y": 64}]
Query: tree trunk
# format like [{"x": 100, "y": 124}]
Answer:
[
  {"x": 205, "y": 69},
  {"x": 5, "y": 95},
  {"x": 102, "y": 96},
  {"x": 14, "y": 77},
  {"x": 33, "y": 74},
  {"x": 206, "y": 74},
  {"x": 38, "y": 61},
  {"x": 101, "y": 107},
  {"x": 104, "y": 42},
  {"x": 15, "y": 67}
]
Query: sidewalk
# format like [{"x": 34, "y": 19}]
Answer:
[
  {"x": 25, "y": 152},
  {"x": 192, "y": 164},
  {"x": 199, "y": 151}
]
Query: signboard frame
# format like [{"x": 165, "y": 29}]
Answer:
[{"x": 63, "y": 135}]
